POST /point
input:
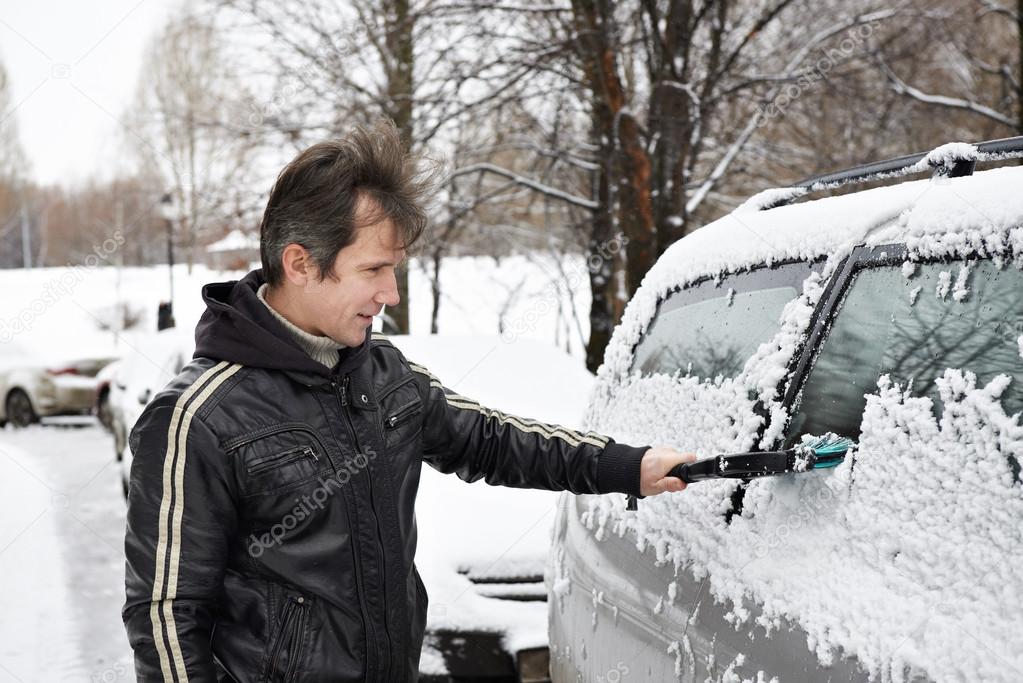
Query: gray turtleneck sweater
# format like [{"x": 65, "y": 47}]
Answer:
[{"x": 321, "y": 349}]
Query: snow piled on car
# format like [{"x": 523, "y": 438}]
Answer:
[{"x": 904, "y": 565}]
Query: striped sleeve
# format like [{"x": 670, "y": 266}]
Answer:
[
  {"x": 463, "y": 437},
  {"x": 181, "y": 520}
]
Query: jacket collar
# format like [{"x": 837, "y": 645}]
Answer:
[{"x": 236, "y": 327}]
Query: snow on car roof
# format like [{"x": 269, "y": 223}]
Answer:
[{"x": 934, "y": 217}]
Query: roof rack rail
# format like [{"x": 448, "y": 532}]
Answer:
[{"x": 951, "y": 160}]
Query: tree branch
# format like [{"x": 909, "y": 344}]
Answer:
[
  {"x": 525, "y": 182},
  {"x": 901, "y": 88}
]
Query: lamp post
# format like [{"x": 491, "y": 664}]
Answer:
[{"x": 165, "y": 315}]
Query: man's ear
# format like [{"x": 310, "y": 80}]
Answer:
[{"x": 299, "y": 269}]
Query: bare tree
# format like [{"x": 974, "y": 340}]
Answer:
[
  {"x": 332, "y": 65},
  {"x": 14, "y": 226},
  {"x": 675, "y": 94},
  {"x": 186, "y": 124},
  {"x": 971, "y": 67}
]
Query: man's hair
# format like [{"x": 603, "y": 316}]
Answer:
[{"x": 314, "y": 199}]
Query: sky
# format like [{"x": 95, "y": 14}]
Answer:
[{"x": 74, "y": 68}]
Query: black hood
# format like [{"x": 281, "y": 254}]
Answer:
[{"x": 237, "y": 327}]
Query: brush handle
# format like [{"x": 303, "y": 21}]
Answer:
[{"x": 737, "y": 466}]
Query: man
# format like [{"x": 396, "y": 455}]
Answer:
[{"x": 271, "y": 528}]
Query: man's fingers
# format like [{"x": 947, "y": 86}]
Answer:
[
  {"x": 655, "y": 475},
  {"x": 683, "y": 458},
  {"x": 670, "y": 484},
  {"x": 674, "y": 484}
]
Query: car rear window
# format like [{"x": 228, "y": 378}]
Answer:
[
  {"x": 912, "y": 329},
  {"x": 712, "y": 327}
]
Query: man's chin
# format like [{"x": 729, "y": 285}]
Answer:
[{"x": 356, "y": 338}]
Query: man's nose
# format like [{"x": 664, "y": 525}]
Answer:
[{"x": 389, "y": 296}]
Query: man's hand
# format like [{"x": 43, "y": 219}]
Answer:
[{"x": 654, "y": 467}]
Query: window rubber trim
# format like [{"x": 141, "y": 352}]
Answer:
[{"x": 862, "y": 257}]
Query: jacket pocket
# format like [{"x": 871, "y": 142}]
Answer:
[
  {"x": 281, "y": 459},
  {"x": 401, "y": 409},
  {"x": 403, "y": 413},
  {"x": 286, "y": 648}
]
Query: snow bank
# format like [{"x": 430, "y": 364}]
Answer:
[{"x": 34, "y": 603}]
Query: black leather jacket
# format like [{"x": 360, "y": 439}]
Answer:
[{"x": 271, "y": 523}]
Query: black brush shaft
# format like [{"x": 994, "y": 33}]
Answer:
[{"x": 737, "y": 466}]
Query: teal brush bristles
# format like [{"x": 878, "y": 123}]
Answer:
[{"x": 828, "y": 450}]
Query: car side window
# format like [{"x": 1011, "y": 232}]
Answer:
[
  {"x": 912, "y": 329},
  {"x": 712, "y": 327}
]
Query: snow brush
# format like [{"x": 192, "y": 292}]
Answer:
[{"x": 813, "y": 453}]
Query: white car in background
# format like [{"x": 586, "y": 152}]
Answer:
[
  {"x": 33, "y": 386},
  {"x": 482, "y": 549},
  {"x": 151, "y": 361}
]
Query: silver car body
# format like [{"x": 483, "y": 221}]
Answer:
[{"x": 54, "y": 386}]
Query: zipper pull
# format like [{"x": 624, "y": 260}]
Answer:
[
  {"x": 344, "y": 392},
  {"x": 309, "y": 451}
]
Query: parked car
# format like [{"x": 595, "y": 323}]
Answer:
[
  {"x": 102, "y": 408},
  {"x": 151, "y": 361},
  {"x": 482, "y": 549},
  {"x": 892, "y": 316},
  {"x": 33, "y": 386}
]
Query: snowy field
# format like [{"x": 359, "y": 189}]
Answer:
[
  {"x": 64, "y": 311},
  {"x": 61, "y": 514}
]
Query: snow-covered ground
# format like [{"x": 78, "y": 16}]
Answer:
[
  {"x": 61, "y": 514},
  {"x": 61, "y": 555}
]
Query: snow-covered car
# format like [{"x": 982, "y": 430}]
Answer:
[
  {"x": 482, "y": 549},
  {"x": 151, "y": 361},
  {"x": 102, "y": 408},
  {"x": 892, "y": 316},
  {"x": 32, "y": 387}
]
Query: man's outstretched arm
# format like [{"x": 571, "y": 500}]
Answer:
[{"x": 474, "y": 442}]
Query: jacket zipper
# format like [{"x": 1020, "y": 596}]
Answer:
[
  {"x": 371, "y": 637},
  {"x": 289, "y": 624},
  {"x": 284, "y": 458},
  {"x": 296, "y": 639},
  {"x": 234, "y": 444},
  {"x": 406, "y": 411}
]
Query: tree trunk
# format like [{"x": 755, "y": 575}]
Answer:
[
  {"x": 631, "y": 209},
  {"x": 438, "y": 257},
  {"x": 1019, "y": 75},
  {"x": 399, "y": 97},
  {"x": 602, "y": 280}
]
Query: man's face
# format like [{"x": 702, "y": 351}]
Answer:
[{"x": 364, "y": 282}]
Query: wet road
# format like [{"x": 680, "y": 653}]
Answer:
[{"x": 61, "y": 556}]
